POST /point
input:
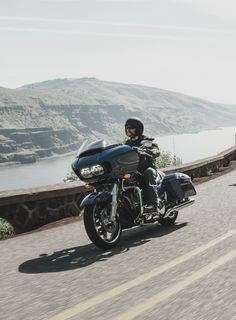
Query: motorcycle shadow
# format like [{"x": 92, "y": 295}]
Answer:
[{"x": 82, "y": 256}]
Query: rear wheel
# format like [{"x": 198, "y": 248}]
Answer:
[
  {"x": 102, "y": 232},
  {"x": 168, "y": 221}
]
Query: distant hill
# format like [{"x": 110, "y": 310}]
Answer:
[{"x": 55, "y": 116}]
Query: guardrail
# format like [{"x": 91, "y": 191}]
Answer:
[{"x": 28, "y": 209}]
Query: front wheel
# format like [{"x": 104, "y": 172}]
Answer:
[
  {"x": 103, "y": 233},
  {"x": 168, "y": 221}
]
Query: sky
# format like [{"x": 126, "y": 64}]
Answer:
[{"x": 186, "y": 46}]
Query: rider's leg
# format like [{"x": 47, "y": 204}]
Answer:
[{"x": 149, "y": 185}]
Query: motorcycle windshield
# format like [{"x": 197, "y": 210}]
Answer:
[{"x": 88, "y": 145}]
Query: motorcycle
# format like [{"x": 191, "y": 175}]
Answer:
[{"x": 116, "y": 202}]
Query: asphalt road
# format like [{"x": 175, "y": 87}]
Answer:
[{"x": 187, "y": 271}]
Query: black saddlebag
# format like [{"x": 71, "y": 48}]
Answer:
[{"x": 178, "y": 186}]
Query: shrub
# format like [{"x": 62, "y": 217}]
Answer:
[
  {"x": 6, "y": 229},
  {"x": 166, "y": 159},
  {"x": 70, "y": 177}
]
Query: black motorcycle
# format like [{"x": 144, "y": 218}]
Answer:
[{"x": 116, "y": 202}]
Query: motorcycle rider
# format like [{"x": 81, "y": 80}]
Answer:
[{"x": 134, "y": 130}]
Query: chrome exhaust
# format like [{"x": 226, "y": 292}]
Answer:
[{"x": 179, "y": 207}]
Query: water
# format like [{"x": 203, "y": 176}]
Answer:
[
  {"x": 191, "y": 147},
  {"x": 188, "y": 147}
]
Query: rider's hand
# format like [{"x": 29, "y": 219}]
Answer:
[{"x": 153, "y": 152}]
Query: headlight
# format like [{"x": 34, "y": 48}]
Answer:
[
  {"x": 86, "y": 173},
  {"x": 97, "y": 170},
  {"x": 89, "y": 172}
]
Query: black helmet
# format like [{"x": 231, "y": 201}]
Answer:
[{"x": 135, "y": 123}]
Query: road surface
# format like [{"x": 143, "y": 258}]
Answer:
[{"x": 187, "y": 271}]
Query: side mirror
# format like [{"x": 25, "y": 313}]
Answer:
[{"x": 146, "y": 143}]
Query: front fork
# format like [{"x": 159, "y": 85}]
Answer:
[{"x": 114, "y": 194}]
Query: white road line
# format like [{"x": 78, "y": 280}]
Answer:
[
  {"x": 107, "y": 295},
  {"x": 167, "y": 293}
]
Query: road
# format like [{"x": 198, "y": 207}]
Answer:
[{"x": 186, "y": 271}]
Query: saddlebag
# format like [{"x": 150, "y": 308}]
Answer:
[{"x": 178, "y": 186}]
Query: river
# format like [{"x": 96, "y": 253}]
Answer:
[{"x": 188, "y": 147}]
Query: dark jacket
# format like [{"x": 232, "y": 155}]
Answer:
[{"x": 145, "y": 161}]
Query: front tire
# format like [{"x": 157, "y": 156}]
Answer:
[{"x": 104, "y": 234}]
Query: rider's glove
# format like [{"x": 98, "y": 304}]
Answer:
[{"x": 153, "y": 152}]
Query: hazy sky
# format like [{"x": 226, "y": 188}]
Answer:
[{"x": 187, "y": 46}]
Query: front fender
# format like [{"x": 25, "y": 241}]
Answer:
[{"x": 96, "y": 197}]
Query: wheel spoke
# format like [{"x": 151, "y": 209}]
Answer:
[{"x": 107, "y": 232}]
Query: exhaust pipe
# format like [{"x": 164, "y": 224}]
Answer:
[{"x": 179, "y": 207}]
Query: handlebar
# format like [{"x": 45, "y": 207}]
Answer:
[{"x": 142, "y": 151}]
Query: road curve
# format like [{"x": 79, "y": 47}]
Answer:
[{"x": 186, "y": 271}]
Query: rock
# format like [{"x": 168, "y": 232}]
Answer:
[
  {"x": 8, "y": 146},
  {"x": 42, "y": 138},
  {"x": 42, "y": 153},
  {"x": 25, "y": 157},
  {"x": 62, "y": 149},
  {"x": 20, "y": 137},
  {"x": 27, "y": 145},
  {"x": 3, "y": 138},
  {"x": 64, "y": 135},
  {"x": 3, "y": 158}
]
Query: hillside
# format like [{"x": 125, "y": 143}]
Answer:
[{"x": 54, "y": 116}]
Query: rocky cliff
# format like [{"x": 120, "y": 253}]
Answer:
[{"x": 55, "y": 116}]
